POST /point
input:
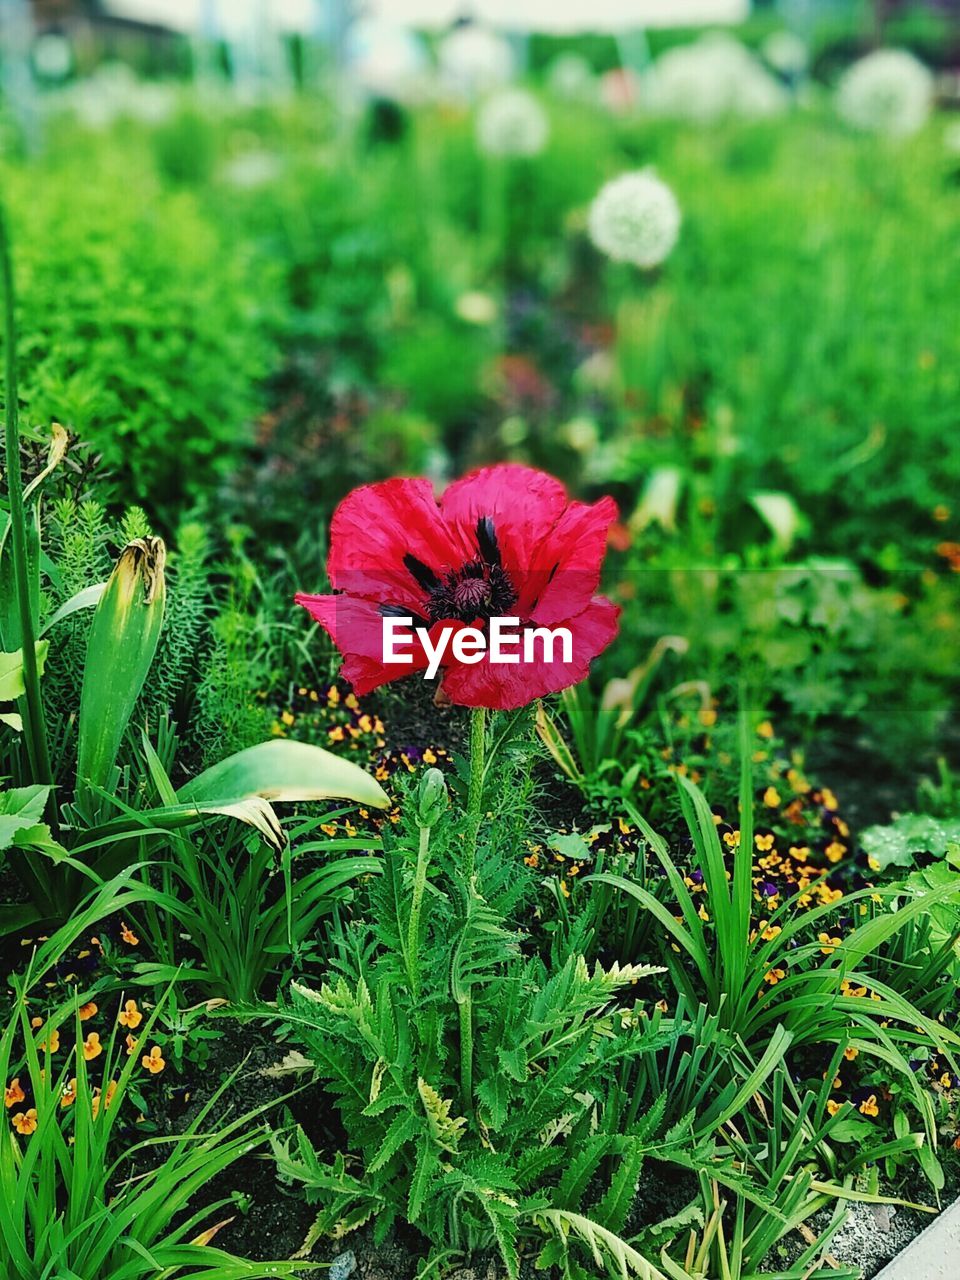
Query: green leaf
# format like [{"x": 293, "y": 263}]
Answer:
[
  {"x": 11, "y": 671},
  {"x": 428, "y": 1163},
  {"x": 85, "y": 599},
  {"x": 120, "y": 648},
  {"x": 287, "y": 771},
  {"x": 20, "y": 809},
  {"x": 910, "y": 834}
]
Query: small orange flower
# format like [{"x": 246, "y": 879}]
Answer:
[
  {"x": 828, "y": 944},
  {"x": 36, "y": 1022},
  {"x": 946, "y": 1080},
  {"x": 69, "y": 1095},
  {"x": 833, "y": 1106},
  {"x": 92, "y": 1048},
  {"x": 127, "y": 934},
  {"x": 106, "y": 1098},
  {"x": 771, "y": 797},
  {"x": 130, "y": 1015},
  {"x": 87, "y": 1011},
  {"x": 52, "y": 1041},
  {"x": 773, "y": 976},
  {"x": 13, "y": 1093},
  {"x": 850, "y": 1052},
  {"x": 25, "y": 1122},
  {"x": 869, "y": 1106},
  {"x": 153, "y": 1061},
  {"x": 131, "y": 1045}
]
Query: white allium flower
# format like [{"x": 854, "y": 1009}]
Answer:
[
  {"x": 635, "y": 218},
  {"x": 571, "y": 77},
  {"x": 712, "y": 78},
  {"x": 786, "y": 52},
  {"x": 512, "y": 123},
  {"x": 474, "y": 61},
  {"x": 387, "y": 61},
  {"x": 52, "y": 56},
  {"x": 889, "y": 91}
]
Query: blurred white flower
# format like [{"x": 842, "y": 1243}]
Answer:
[
  {"x": 474, "y": 307},
  {"x": 581, "y": 434},
  {"x": 152, "y": 103},
  {"x": 114, "y": 92},
  {"x": 596, "y": 373},
  {"x": 252, "y": 169},
  {"x": 786, "y": 52},
  {"x": 387, "y": 61},
  {"x": 474, "y": 61},
  {"x": 512, "y": 123},
  {"x": 889, "y": 91},
  {"x": 712, "y": 78},
  {"x": 52, "y": 56},
  {"x": 570, "y": 76},
  {"x": 635, "y": 218}
]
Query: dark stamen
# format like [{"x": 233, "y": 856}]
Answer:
[
  {"x": 398, "y": 611},
  {"x": 487, "y": 541},
  {"x": 422, "y": 573}
]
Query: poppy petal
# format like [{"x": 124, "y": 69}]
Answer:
[
  {"x": 522, "y": 504},
  {"x": 568, "y": 560},
  {"x": 374, "y": 533},
  {"x": 504, "y": 687},
  {"x": 356, "y": 627}
]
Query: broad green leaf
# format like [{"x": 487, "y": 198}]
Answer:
[
  {"x": 85, "y": 599},
  {"x": 20, "y": 809},
  {"x": 11, "y": 671},
  {"x": 120, "y": 649},
  {"x": 287, "y": 771},
  {"x": 910, "y": 834}
]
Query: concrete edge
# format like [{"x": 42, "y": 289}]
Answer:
[{"x": 932, "y": 1255}]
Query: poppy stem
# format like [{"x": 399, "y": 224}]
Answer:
[
  {"x": 416, "y": 906},
  {"x": 478, "y": 744}
]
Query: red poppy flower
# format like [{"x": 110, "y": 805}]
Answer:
[{"x": 503, "y": 542}]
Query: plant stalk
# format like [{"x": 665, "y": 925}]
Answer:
[
  {"x": 34, "y": 728},
  {"x": 413, "y": 926},
  {"x": 466, "y": 1054},
  {"x": 478, "y": 744}
]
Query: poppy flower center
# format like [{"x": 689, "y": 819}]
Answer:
[
  {"x": 479, "y": 589},
  {"x": 470, "y": 595}
]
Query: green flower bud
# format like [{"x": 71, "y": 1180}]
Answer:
[{"x": 431, "y": 798}]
